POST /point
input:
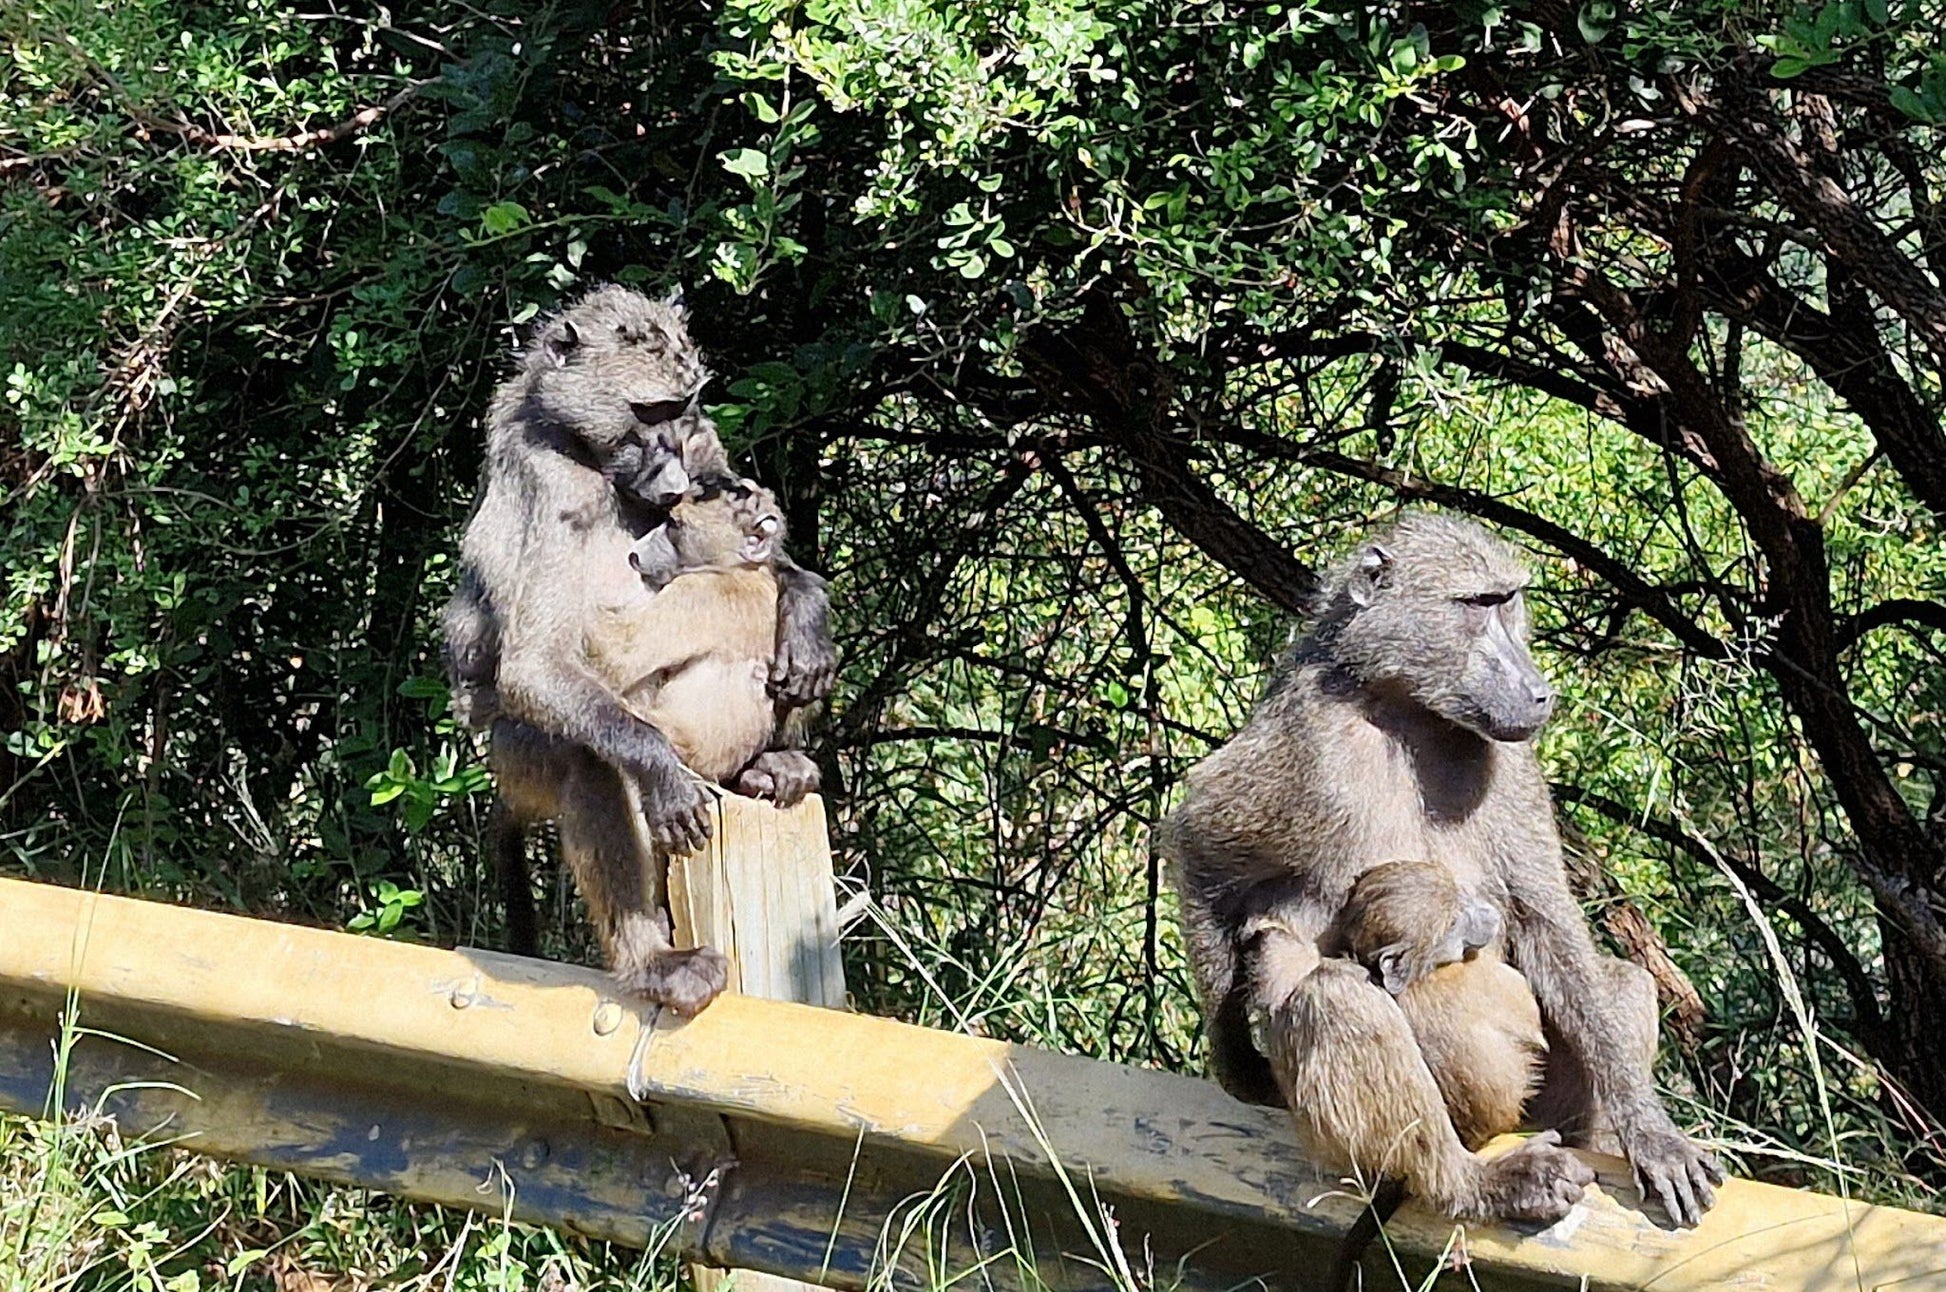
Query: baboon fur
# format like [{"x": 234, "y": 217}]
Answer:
[
  {"x": 1436, "y": 951},
  {"x": 1399, "y": 726},
  {"x": 593, "y": 436}
]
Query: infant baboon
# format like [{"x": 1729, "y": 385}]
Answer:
[
  {"x": 1399, "y": 726},
  {"x": 693, "y": 658},
  {"x": 1434, "y": 950},
  {"x": 594, "y": 435}
]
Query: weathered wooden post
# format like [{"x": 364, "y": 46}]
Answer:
[{"x": 762, "y": 893}]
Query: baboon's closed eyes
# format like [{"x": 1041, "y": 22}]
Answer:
[{"x": 1398, "y": 728}]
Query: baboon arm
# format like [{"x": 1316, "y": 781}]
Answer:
[
  {"x": 564, "y": 698},
  {"x": 1551, "y": 946},
  {"x": 806, "y": 663}
]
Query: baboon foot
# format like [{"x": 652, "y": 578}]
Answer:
[
  {"x": 1539, "y": 1182},
  {"x": 677, "y": 809},
  {"x": 784, "y": 775},
  {"x": 685, "y": 981}
]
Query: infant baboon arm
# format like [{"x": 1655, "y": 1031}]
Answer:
[
  {"x": 1362, "y": 1096},
  {"x": 1549, "y": 942}
]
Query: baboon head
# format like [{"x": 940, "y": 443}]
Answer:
[
  {"x": 1431, "y": 611},
  {"x": 620, "y": 372},
  {"x": 1404, "y": 919},
  {"x": 723, "y": 523}
]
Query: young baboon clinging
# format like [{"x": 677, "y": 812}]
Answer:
[
  {"x": 693, "y": 658},
  {"x": 1435, "y": 950},
  {"x": 590, "y": 439},
  {"x": 1399, "y": 727}
]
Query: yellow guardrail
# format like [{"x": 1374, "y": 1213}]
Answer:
[{"x": 820, "y": 1145}]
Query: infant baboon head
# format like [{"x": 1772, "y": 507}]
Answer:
[
  {"x": 724, "y": 524},
  {"x": 1431, "y": 611},
  {"x": 1404, "y": 919},
  {"x": 620, "y": 371}
]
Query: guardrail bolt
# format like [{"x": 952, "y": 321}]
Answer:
[{"x": 608, "y": 1017}]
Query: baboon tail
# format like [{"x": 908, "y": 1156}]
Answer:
[
  {"x": 506, "y": 842},
  {"x": 1234, "y": 1060}
]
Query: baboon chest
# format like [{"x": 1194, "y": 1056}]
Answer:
[{"x": 1418, "y": 792}]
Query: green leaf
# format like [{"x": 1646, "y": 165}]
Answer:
[
  {"x": 747, "y": 162},
  {"x": 1911, "y": 104},
  {"x": 504, "y": 217}
]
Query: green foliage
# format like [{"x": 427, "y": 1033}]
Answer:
[{"x": 941, "y": 254}]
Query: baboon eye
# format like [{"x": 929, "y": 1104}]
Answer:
[{"x": 656, "y": 414}]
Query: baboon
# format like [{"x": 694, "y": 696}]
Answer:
[
  {"x": 590, "y": 440},
  {"x": 694, "y": 658},
  {"x": 1399, "y": 727},
  {"x": 1436, "y": 951}
]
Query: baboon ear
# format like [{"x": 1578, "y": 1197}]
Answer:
[
  {"x": 1394, "y": 971},
  {"x": 1374, "y": 568},
  {"x": 675, "y": 301},
  {"x": 560, "y": 341}
]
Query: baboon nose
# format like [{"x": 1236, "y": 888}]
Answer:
[{"x": 1543, "y": 697}]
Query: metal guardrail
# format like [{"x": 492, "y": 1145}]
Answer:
[{"x": 811, "y": 1143}]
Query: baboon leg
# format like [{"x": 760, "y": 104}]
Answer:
[
  {"x": 507, "y": 847},
  {"x": 623, "y": 879},
  {"x": 1479, "y": 1031},
  {"x": 1566, "y": 1101},
  {"x": 1363, "y": 1098}
]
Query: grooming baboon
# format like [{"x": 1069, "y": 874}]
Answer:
[
  {"x": 1436, "y": 951},
  {"x": 1399, "y": 727},
  {"x": 594, "y": 435}
]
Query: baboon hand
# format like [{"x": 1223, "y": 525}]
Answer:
[
  {"x": 685, "y": 981},
  {"x": 1673, "y": 1170},
  {"x": 804, "y": 668},
  {"x": 1539, "y": 1182},
  {"x": 677, "y": 809},
  {"x": 785, "y": 775}
]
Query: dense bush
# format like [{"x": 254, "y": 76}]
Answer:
[{"x": 1074, "y": 338}]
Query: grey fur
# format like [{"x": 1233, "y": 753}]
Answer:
[
  {"x": 596, "y": 429},
  {"x": 1398, "y": 728}
]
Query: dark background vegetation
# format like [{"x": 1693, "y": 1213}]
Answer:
[{"x": 1076, "y": 337}]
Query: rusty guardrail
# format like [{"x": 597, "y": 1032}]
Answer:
[{"x": 776, "y": 1137}]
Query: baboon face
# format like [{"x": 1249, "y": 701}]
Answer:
[
  {"x": 621, "y": 371},
  {"x": 1404, "y": 919},
  {"x": 1432, "y": 610}
]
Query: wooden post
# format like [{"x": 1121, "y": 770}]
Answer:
[{"x": 762, "y": 893}]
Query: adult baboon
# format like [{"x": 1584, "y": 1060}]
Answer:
[
  {"x": 1436, "y": 951},
  {"x": 591, "y": 438},
  {"x": 1398, "y": 728}
]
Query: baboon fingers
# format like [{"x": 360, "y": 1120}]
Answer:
[
  {"x": 803, "y": 671},
  {"x": 677, "y": 811}
]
